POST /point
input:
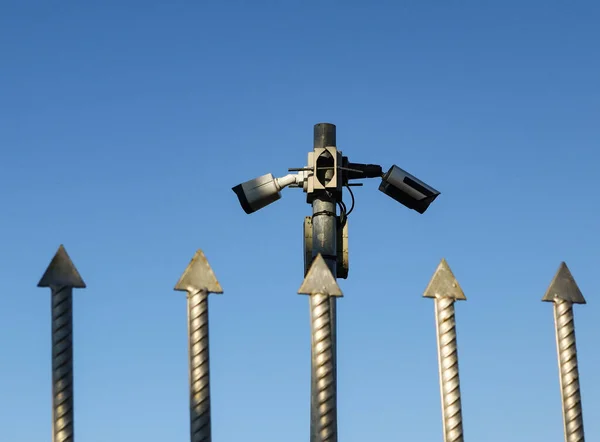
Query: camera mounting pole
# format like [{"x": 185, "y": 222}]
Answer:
[{"x": 324, "y": 236}]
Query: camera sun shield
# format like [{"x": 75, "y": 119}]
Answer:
[{"x": 407, "y": 189}]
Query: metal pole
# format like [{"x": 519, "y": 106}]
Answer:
[
  {"x": 564, "y": 292},
  {"x": 198, "y": 341},
  {"x": 448, "y": 366},
  {"x": 320, "y": 284},
  {"x": 61, "y": 277},
  {"x": 324, "y": 369},
  {"x": 445, "y": 290},
  {"x": 568, "y": 371},
  {"x": 62, "y": 364},
  {"x": 198, "y": 280},
  {"x": 324, "y": 225}
]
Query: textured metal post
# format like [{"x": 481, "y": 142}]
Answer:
[
  {"x": 200, "y": 428},
  {"x": 62, "y": 365},
  {"x": 564, "y": 292},
  {"x": 321, "y": 285},
  {"x": 445, "y": 290},
  {"x": 448, "y": 366},
  {"x": 568, "y": 371},
  {"x": 322, "y": 343},
  {"x": 324, "y": 242},
  {"x": 61, "y": 277},
  {"x": 198, "y": 280}
]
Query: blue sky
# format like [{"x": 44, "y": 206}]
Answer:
[{"x": 124, "y": 125}]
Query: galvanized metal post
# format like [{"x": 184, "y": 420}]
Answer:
[
  {"x": 444, "y": 288},
  {"x": 321, "y": 285},
  {"x": 198, "y": 280},
  {"x": 324, "y": 225},
  {"x": 564, "y": 292},
  {"x": 199, "y": 366},
  {"x": 62, "y": 276},
  {"x": 62, "y": 364}
]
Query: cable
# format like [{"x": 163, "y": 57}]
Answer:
[
  {"x": 343, "y": 215},
  {"x": 344, "y": 212},
  {"x": 352, "y": 196}
]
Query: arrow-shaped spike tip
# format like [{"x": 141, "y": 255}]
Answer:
[
  {"x": 443, "y": 284},
  {"x": 319, "y": 280},
  {"x": 61, "y": 272},
  {"x": 198, "y": 276},
  {"x": 563, "y": 286}
]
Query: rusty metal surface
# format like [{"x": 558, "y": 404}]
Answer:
[
  {"x": 445, "y": 290},
  {"x": 198, "y": 280},
  {"x": 564, "y": 292},
  {"x": 321, "y": 285},
  {"x": 62, "y": 276}
]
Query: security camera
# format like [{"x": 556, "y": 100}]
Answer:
[
  {"x": 407, "y": 189},
  {"x": 262, "y": 191}
]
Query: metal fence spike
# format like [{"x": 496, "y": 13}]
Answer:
[
  {"x": 443, "y": 284},
  {"x": 198, "y": 275},
  {"x": 61, "y": 272},
  {"x": 563, "y": 292},
  {"x": 320, "y": 280},
  {"x": 563, "y": 286},
  {"x": 445, "y": 290},
  {"x": 62, "y": 276},
  {"x": 198, "y": 280},
  {"x": 321, "y": 285}
]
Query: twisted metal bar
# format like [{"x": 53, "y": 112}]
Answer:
[
  {"x": 62, "y": 364},
  {"x": 200, "y": 422},
  {"x": 569, "y": 373},
  {"x": 324, "y": 234},
  {"x": 326, "y": 406},
  {"x": 448, "y": 367},
  {"x": 314, "y": 413}
]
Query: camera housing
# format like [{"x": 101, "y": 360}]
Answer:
[
  {"x": 262, "y": 191},
  {"x": 407, "y": 189}
]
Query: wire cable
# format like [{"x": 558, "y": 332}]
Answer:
[{"x": 351, "y": 196}]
